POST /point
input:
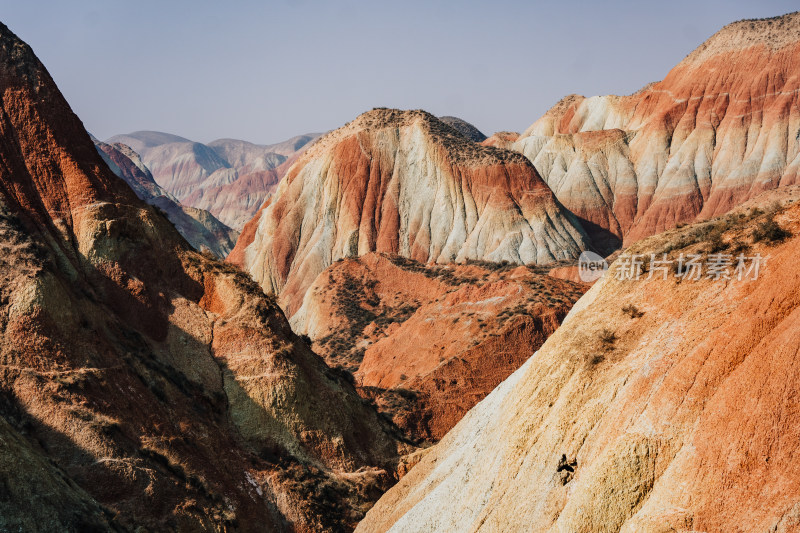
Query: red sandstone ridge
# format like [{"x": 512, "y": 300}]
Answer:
[
  {"x": 663, "y": 404},
  {"x": 427, "y": 342},
  {"x": 227, "y": 177},
  {"x": 403, "y": 182},
  {"x": 199, "y": 227},
  {"x": 719, "y": 129},
  {"x": 142, "y": 385}
]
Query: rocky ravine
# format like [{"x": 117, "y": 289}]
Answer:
[
  {"x": 722, "y": 127},
  {"x": 199, "y": 227},
  {"x": 403, "y": 182},
  {"x": 659, "y": 405},
  {"x": 427, "y": 342},
  {"x": 227, "y": 177},
  {"x": 141, "y": 384}
]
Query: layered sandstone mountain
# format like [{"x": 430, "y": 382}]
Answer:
[
  {"x": 403, "y": 182},
  {"x": 722, "y": 127},
  {"x": 199, "y": 227},
  {"x": 142, "y": 385},
  {"x": 663, "y": 404},
  {"x": 228, "y": 177},
  {"x": 464, "y": 128},
  {"x": 427, "y": 342}
]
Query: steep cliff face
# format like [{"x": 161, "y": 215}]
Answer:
[
  {"x": 403, "y": 182},
  {"x": 199, "y": 227},
  {"x": 141, "y": 384},
  {"x": 427, "y": 342},
  {"x": 228, "y": 177},
  {"x": 722, "y": 127},
  {"x": 663, "y": 404}
]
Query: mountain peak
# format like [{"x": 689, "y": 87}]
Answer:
[
  {"x": 774, "y": 33},
  {"x": 460, "y": 149},
  {"x": 406, "y": 183}
]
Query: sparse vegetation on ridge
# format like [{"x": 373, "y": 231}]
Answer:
[
  {"x": 770, "y": 231},
  {"x": 632, "y": 311},
  {"x": 607, "y": 339}
]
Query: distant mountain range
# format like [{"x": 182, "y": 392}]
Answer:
[
  {"x": 199, "y": 227},
  {"x": 227, "y": 177}
]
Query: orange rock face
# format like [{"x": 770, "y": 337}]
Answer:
[
  {"x": 658, "y": 405},
  {"x": 719, "y": 129},
  {"x": 428, "y": 342},
  {"x": 403, "y": 182},
  {"x": 143, "y": 385}
]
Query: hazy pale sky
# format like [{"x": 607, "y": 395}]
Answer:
[{"x": 265, "y": 71}]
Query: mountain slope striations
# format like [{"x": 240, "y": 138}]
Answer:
[
  {"x": 719, "y": 129},
  {"x": 143, "y": 385},
  {"x": 403, "y": 182}
]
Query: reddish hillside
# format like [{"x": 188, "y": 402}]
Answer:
[
  {"x": 502, "y": 139},
  {"x": 428, "y": 342},
  {"x": 663, "y": 404},
  {"x": 719, "y": 129}
]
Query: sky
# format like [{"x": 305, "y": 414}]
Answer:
[{"x": 266, "y": 71}]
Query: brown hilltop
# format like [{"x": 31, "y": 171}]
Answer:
[
  {"x": 143, "y": 385},
  {"x": 464, "y": 128},
  {"x": 405, "y": 183}
]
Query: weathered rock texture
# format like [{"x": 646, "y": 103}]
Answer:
[
  {"x": 141, "y": 384},
  {"x": 680, "y": 414},
  {"x": 722, "y": 127},
  {"x": 199, "y": 227},
  {"x": 427, "y": 342},
  {"x": 403, "y": 182},
  {"x": 227, "y": 177}
]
